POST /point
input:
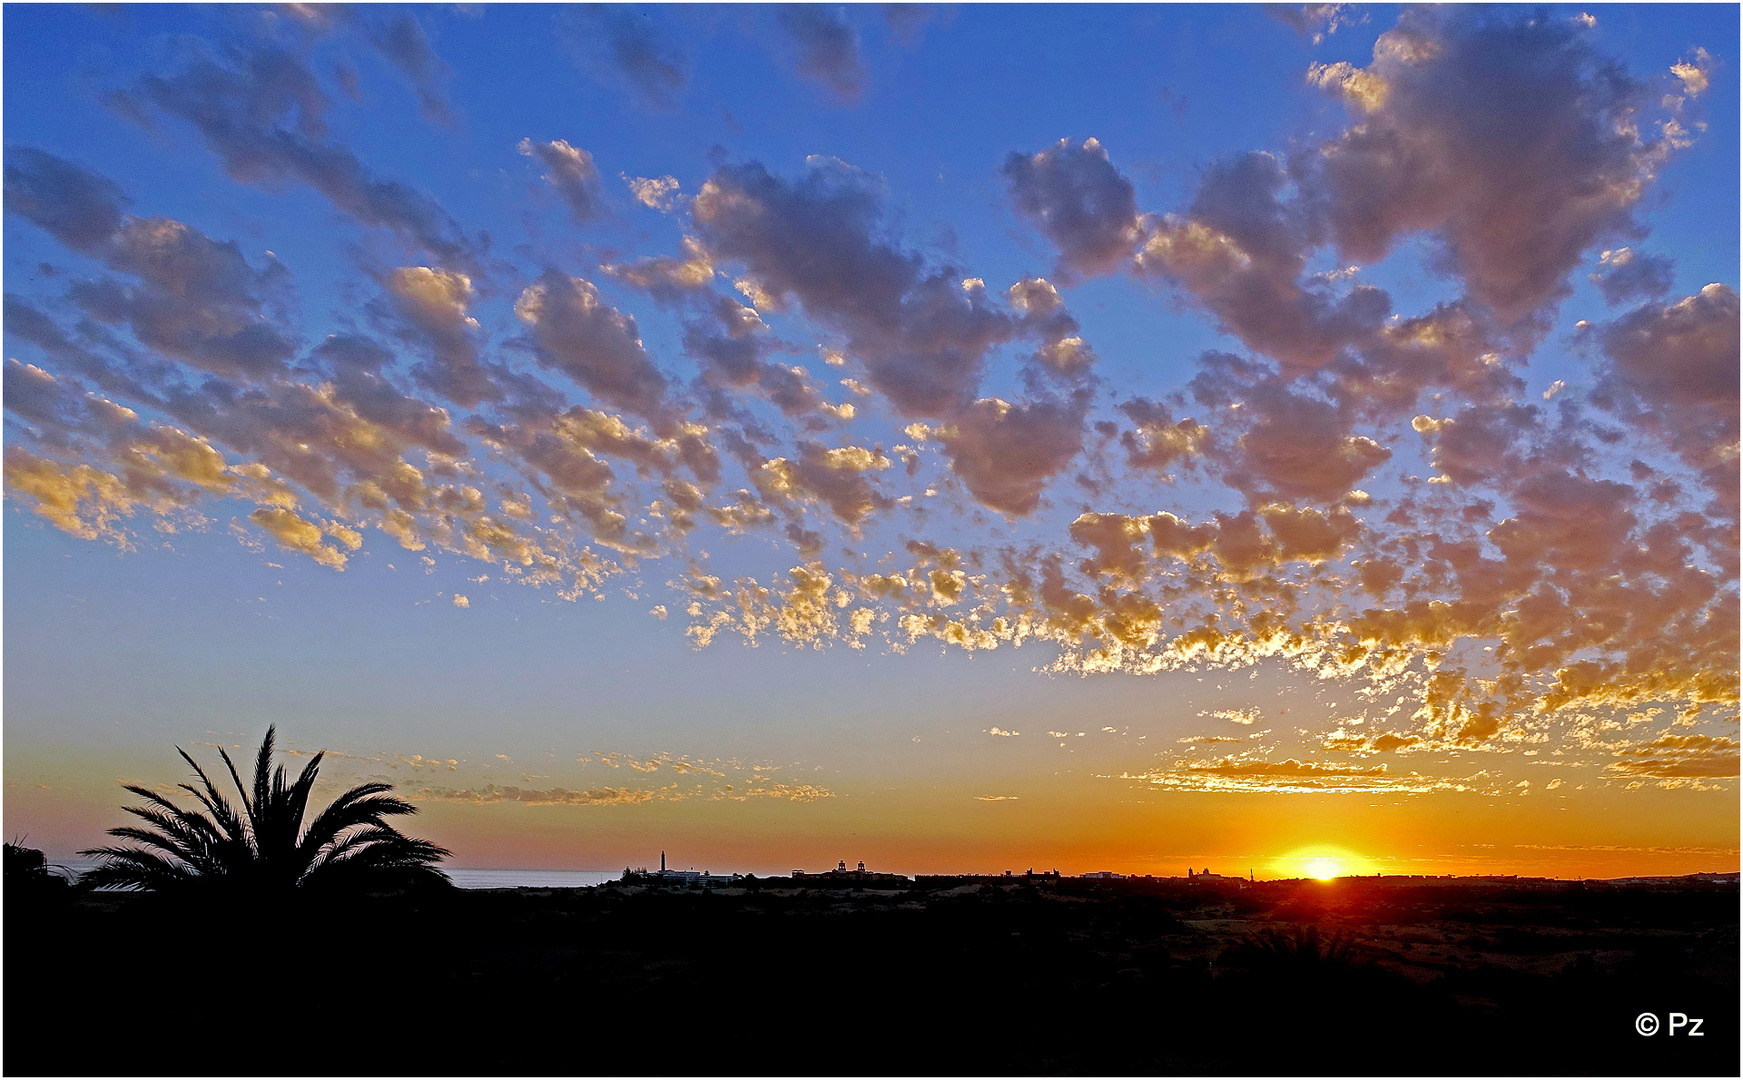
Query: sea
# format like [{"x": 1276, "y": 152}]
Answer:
[
  {"x": 530, "y": 879},
  {"x": 474, "y": 879}
]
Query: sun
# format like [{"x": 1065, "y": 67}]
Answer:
[{"x": 1325, "y": 862}]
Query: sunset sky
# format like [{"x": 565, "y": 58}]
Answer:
[{"x": 966, "y": 439}]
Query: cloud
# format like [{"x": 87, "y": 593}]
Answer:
[
  {"x": 922, "y": 337},
  {"x": 76, "y": 206},
  {"x": 1238, "y": 716},
  {"x": 1360, "y": 495},
  {"x": 298, "y": 534},
  {"x": 197, "y": 300},
  {"x": 627, "y": 46},
  {"x": 680, "y": 280},
  {"x": 1079, "y": 201},
  {"x": 1241, "y": 251},
  {"x": 1673, "y": 372},
  {"x": 577, "y": 333},
  {"x": 1624, "y": 275},
  {"x": 1695, "y": 73},
  {"x": 79, "y": 500},
  {"x": 1288, "y": 775},
  {"x": 1316, "y": 21},
  {"x": 1379, "y": 742},
  {"x": 572, "y": 173},
  {"x": 1299, "y": 447},
  {"x": 403, "y": 42},
  {"x": 599, "y": 796},
  {"x": 193, "y": 298},
  {"x": 1680, "y": 356},
  {"x": 836, "y": 477},
  {"x": 827, "y": 47},
  {"x": 432, "y": 304},
  {"x": 263, "y": 114},
  {"x": 1478, "y": 126},
  {"x": 1675, "y": 756},
  {"x": 655, "y": 193},
  {"x": 1006, "y": 453}
]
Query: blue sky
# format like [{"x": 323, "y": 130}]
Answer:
[{"x": 1043, "y": 433}]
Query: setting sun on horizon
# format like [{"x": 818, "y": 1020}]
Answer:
[{"x": 1289, "y": 443}]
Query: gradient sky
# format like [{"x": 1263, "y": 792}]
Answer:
[{"x": 1094, "y": 438}]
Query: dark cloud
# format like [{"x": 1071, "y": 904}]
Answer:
[
  {"x": 828, "y": 48},
  {"x": 194, "y": 299},
  {"x": 74, "y": 205},
  {"x": 1680, "y": 356},
  {"x": 1479, "y": 444},
  {"x": 572, "y": 173},
  {"x": 401, "y": 39},
  {"x": 1080, "y": 201},
  {"x": 1315, "y": 21},
  {"x": 1006, "y": 453},
  {"x": 25, "y": 322},
  {"x": 671, "y": 280},
  {"x": 1242, "y": 251},
  {"x": 577, "y": 333},
  {"x": 262, "y": 113},
  {"x": 625, "y": 44},
  {"x": 922, "y": 337},
  {"x": 1503, "y": 134},
  {"x": 428, "y": 307},
  {"x": 733, "y": 345},
  {"x": 905, "y": 20},
  {"x": 839, "y": 478},
  {"x": 1278, "y": 441},
  {"x": 1064, "y": 359},
  {"x": 1625, "y": 275},
  {"x": 1673, "y": 371},
  {"x": 356, "y": 365}
]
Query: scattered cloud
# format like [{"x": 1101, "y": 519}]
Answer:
[
  {"x": 1359, "y": 490},
  {"x": 573, "y": 175},
  {"x": 827, "y": 47}
]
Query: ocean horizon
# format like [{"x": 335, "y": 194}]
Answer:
[
  {"x": 530, "y": 879},
  {"x": 469, "y": 878}
]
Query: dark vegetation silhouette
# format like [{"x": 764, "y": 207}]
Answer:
[
  {"x": 1082, "y": 978},
  {"x": 1298, "y": 951},
  {"x": 262, "y": 847},
  {"x": 30, "y": 875}
]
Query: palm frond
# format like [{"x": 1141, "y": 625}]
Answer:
[
  {"x": 264, "y": 846},
  {"x": 297, "y": 798},
  {"x": 169, "y": 845},
  {"x": 365, "y": 804},
  {"x": 221, "y": 810},
  {"x": 249, "y": 813},
  {"x": 378, "y": 855},
  {"x": 131, "y": 868}
]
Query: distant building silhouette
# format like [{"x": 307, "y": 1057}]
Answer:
[
  {"x": 663, "y": 876},
  {"x": 1205, "y": 877},
  {"x": 842, "y": 875}
]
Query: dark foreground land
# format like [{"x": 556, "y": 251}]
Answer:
[{"x": 1049, "y": 977}]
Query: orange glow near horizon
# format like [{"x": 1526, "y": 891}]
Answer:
[{"x": 1325, "y": 862}]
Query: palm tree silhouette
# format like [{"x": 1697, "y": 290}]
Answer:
[{"x": 264, "y": 848}]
